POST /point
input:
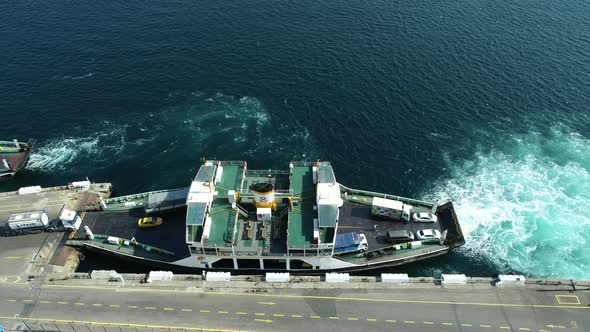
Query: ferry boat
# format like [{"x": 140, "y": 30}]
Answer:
[
  {"x": 14, "y": 156},
  {"x": 298, "y": 220}
]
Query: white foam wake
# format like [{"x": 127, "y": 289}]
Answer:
[
  {"x": 525, "y": 206},
  {"x": 57, "y": 155}
]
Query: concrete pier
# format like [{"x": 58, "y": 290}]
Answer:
[
  {"x": 43, "y": 252},
  {"x": 248, "y": 303}
]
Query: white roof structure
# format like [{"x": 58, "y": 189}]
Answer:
[{"x": 388, "y": 203}]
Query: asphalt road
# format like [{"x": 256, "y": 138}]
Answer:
[{"x": 82, "y": 308}]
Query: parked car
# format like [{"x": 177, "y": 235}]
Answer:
[
  {"x": 399, "y": 236},
  {"x": 149, "y": 222},
  {"x": 428, "y": 234},
  {"x": 424, "y": 217}
]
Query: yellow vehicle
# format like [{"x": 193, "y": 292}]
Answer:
[{"x": 149, "y": 222}]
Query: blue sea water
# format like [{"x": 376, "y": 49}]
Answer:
[{"x": 485, "y": 103}]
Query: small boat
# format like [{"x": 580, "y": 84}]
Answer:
[{"x": 14, "y": 156}]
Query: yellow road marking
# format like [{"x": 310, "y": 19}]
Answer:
[
  {"x": 44, "y": 302},
  {"x": 358, "y": 299},
  {"x": 467, "y": 325},
  {"x": 12, "y": 257},
  {"x": 484, "y": 325},
  {"x": 205, "y": 311},
  {"x": 187, "y": 310},
  {"x": 267, "y": 303},
  {"x": 150, "y": 308},
  {"x": 371, "y": 319},
  {"x": 296, "y": 316},
  {"x": 448, "y": 324},
  {"x": 505, "y": 327},
  {"x": 13, "y": 283},
  {"x": 169, "y": 309},
  {"x": 333, "y": 317},
  {"x": 278, "y": 315},
  {"x": 62, "y": 302},
  {"x": 567, "y": 299},
  {"x": 259, "y": 314},
  {"x": 79, "y": 303},
  {"x": 263, "y": 320},
  {"x": 222, "y": 312},
  {"x": 114, "y": 305},
  {"x": 409, "y": 322},
  {"x": 241, "y": 313},
  {"x": 352, "y": 318},
  {"x": 391, "y": 320},
  {"x": 28, "y": 301},
  {"x": 524, "y": 329},
  {"x": 132, "y": 306},
  {"x": 190, "y": 328},
  {"x": 11, "y": 300},
  {"x": 71, "y": 236},
  {"x": 97, "y": 304},
  {"x": 428, "y": 323},
  {"x": 314, "y": 317}
]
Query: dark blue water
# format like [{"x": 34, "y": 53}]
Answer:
[{"x": 485, "y": 103}]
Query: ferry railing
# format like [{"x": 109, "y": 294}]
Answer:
[
  {"x": 242, "y": 211},
  {"x": 229, "y": 162},
  {"x": 266, "y": 172},
  {"x": 352, "y": 191},
  {"x": 133, "y": 197},
  {"x": 235, "y": 252},
  {"x": 249, "y": 193},
  {"x": 306, "y": 163}
]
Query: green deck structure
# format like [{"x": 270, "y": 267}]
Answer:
[
  {"x": 297, "y": 184},
  {"x": 301, "y": 217},
  {"x": 222, "y": 221},
  {"x": 222, "y": 215},
  {"x": 230, "y": 180}
]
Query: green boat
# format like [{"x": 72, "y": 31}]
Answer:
[{"x": 14, "y": 156}]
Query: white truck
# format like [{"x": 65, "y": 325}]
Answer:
[
  {"x": 28, "y": 223},
  {"x": 70, "y": 220},
  {"x": 391, "y": 209},
  {"x": 38, "y": 221}
]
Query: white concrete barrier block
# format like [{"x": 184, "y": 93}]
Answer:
[
  {"x": 218, "y": 276},
  {"x": 277, "y": 277},
  {"x": 29, "y": 190},
  {"x": 113, "y": 240},
  {"x": 453, "y": 279},
  {"x": 105, "y": 274},
  {"x": 511, "y": 280},
  {"x": 160, "y": 276},
  {"x": 395, "y": 277},
  {"x": 337, "y": 277}
]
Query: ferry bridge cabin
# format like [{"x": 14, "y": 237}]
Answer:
[{"x": 262, "y": 219}]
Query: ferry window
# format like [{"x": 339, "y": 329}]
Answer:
[
  {"x": 249, "y": 263},
  {"x": 271, "y": 264},
  {"x": 224, "y": 263},
  {"x": 297, "y": 264}
]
